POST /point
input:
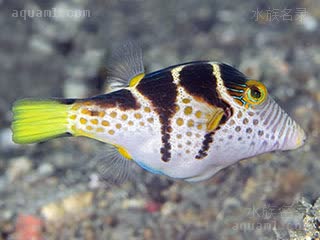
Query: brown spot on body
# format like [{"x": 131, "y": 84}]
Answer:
[
  {"x": 105, "y": 123},
  {"x": 190, "y": 123},
  {"x": 186, "y": 100},
  {"x": 187, "y": 110},
  {"x": 179, "y": 121},
  {"x": 113, "y": 114},
  {"x": 124, "y": 117},
  {"x": 94, "y": 113},
  {"x": 255, "y": 122},
  {"x": 138, "y": 115},
  {"x": 100, "y": 129},
  {"x": 94, "y": 121},
  {"x": 85, "y": 111},
  {"x": 83, "y": 120},
  {"x": 198, "y": 114},
  {"x": 147, "y": 109},
  {"x": 249, "y": 130},
  {"x": 90, "y": 112},
  {"x": 76, "y": 107},
  {"x": 245, "y": 121}
]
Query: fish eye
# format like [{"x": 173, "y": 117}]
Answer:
[{"x": 255, "y": 92}]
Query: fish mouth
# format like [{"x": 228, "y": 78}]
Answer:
[
  {"x": 300, "y": 137},
  {"x": 297, "y": 140}
]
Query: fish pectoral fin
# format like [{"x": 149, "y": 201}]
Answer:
[
  {"x": 214, "y": 118},
  {"x": 125, "y": 67},
  {"x": 114, "y": 164}
]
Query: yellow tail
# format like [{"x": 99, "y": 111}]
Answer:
[{"x": 38, "y": 120}]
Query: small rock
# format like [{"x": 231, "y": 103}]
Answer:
[
  {"x": 18, "y": 167},
  {"x": 45, "y": 169},
  {"x": 94, "y": 181},
  {"x": 6, "y": 215},
  {"x": 111, "y": 221},
  {"x": 6, "y": 139},
  {"x": 249, "y": 188},
  {"x": 133, "y": 203},
  {"x": 152, "y": 206},
  {"x": 28, "y": 227},
  {"x": 308, "y": 22},
  {"x": 53, "y": 212},
  {"x": 148, "y": 234},
  {"x": 74, "y": 204},
  {"x": 78, "y": 202},
  {"x": 167, "y": 208}
]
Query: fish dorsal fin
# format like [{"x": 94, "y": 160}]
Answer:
[
  {"x": 125, "y": 67},
  {"x": 214, "y": 118},
  {"x": 114, "y": 164}
]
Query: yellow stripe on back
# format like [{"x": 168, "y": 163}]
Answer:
[{"x": 135, "y": 80}]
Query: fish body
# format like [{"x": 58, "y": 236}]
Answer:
[{"x": 187, "y": 121}]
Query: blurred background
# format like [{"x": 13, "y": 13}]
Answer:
[{"x": 57, "y": 48}]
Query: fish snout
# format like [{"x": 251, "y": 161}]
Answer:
[{"x": 297, "y": 138}]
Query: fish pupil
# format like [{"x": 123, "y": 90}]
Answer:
[{"x": 255, "y": 93}]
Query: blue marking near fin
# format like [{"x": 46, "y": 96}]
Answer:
[{"x": 149, "y": 169}]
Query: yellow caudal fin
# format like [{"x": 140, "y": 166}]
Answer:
[{"x": 38, "y": 120}]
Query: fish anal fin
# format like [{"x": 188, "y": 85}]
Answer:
[
  {"x": 214, "y": 118},
  {"x": 125, "y": 67},
  {"x": 113, "y": 164}
]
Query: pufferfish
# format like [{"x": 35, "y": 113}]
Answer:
[{"x": 186, "y": 121}]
